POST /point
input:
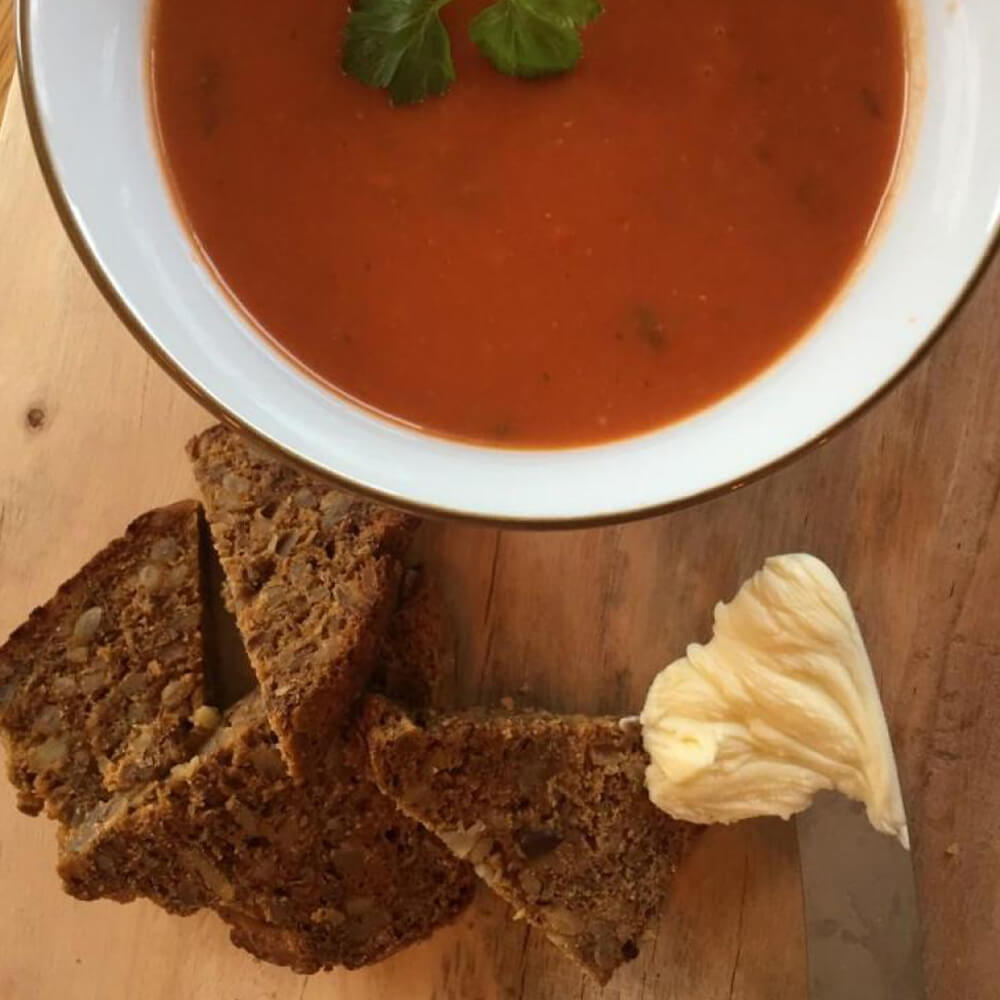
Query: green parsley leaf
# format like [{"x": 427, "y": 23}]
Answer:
[
  {"x": 533, "y": 38},
  {"x": 400, "y": 45}
]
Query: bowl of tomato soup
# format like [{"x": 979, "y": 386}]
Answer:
[{"x": 568, "y": 298}]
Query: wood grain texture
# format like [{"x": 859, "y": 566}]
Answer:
[
  {"x": 6, "y": 50},
  {"x": 903, "y": 505}
]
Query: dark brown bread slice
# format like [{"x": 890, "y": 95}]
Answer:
[
  {"x": 102, "y": 689},
  {"x": 552, "y": 811},
  {"x": 310, "y": 875},
  {"x": 312, "y": 577}
]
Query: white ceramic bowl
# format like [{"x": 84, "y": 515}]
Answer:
[{"x": 83, "y": 74}]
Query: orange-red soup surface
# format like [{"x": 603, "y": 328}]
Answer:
[{"x": 543, "y": 263}]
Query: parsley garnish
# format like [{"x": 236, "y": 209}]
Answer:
[
  {"x": 400, "y": 45},
  {"x": 532, "y": 38}
]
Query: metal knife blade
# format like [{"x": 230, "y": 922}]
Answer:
[{"x": 862, "y": 925}]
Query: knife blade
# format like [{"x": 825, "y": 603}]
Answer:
[{"x": 862, "y": 924}]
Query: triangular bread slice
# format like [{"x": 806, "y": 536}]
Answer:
[
  {"x": 308, "y": 874},
  {"x": 312, "y": 576},
  {"x": 102, "y": 689},
  {"x": 552, "y": 811}
]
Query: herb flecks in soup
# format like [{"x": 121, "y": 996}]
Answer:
[{"x": 552, "y": 262}]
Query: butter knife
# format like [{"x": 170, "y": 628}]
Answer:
[{"x": 862, "y": 926}]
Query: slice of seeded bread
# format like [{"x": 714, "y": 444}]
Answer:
[
  {"x": 311, "y": 576},
  {"x": 552, "y": 811},
  {"x": 308, "y": 874},
  {"x": 102, "y": 689}
]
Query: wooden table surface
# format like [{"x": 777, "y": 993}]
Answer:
[
  {"x": 6, "y": 49},
  {"x": 903, "y": 505}
]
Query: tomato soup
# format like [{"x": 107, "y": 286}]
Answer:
[{"x": 547, "y": 263}]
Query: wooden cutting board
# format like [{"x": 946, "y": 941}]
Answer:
[{"x": 903, "y": 505}]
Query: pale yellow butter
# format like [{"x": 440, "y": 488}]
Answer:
[{"x": 780, "y": 704}]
